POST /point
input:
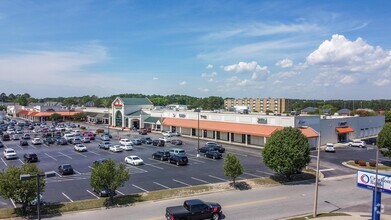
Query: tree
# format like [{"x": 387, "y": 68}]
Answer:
[
  {"x": 384, "y": 139},
  {"x": 109, "y": 176},
  {"x": 20, "y": 191},
  {"x": 387, "y": 115},
  {"x": 287, "y": 152},
  {"x": 55, "y": 117},
  {"x": 80, "y": 116},
  {"x": 232, "y": 167}
]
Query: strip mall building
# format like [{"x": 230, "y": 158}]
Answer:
[{"x": 244, "y": 129}]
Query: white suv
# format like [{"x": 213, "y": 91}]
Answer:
[
  {"x": 9, "y": 153},
  {"x": 357, "y": 143},
  {"x": 125, "y": 142}
]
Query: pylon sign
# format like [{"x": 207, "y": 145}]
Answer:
[{"x": 367, "y": 180}]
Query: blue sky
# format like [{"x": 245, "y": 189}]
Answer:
[{"x": 292, "y": 49}]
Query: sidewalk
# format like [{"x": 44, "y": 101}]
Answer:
[{"x": 355, "y": 215}]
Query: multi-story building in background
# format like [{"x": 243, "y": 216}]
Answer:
[{"x": 263, "y": 105}]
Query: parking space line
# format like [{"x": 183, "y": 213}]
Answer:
[
  {"x": 67, "y": 197},
  {"x": 58, "y": 174},
  {"x": 65, "y": 155},
  {"x": 197, "y": 160},
  {"x": 267, "y": 173},
  {"x": 20, "y": 146},
  {"x": 140, "y": 188},
  {"x": 313, "y": 156},
  {"x": 77, "y": 172},
  {"x": 331, "y": 169},
  {"x": 137, "y": 168},
  {"x": 203, "y": 181},
  {"x": 33, "y": 146},
  {"x": 90, "y": 167},
  {"x": 218, "y": 178},
  {"x": 148, "y": 164},
  {"x": 4, "y": 162},
  {"x": 46, "y": 145},
  {"x": 166, "y": 163},
  {"x": 78, "y": 153},
  {"x": 119, "y": 192},
  {"x": 21, "y": 161},
  {"x": 93, "y": 152},
  {"x": 162, "y": 185},
  {"x": 51, "y": 157},
  {"x": 13, "y": 203},
  {"x": 92, "y": 194},
  {"x": 181, "y": 182}
]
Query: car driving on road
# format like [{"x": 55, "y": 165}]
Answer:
[
  {"x": 194, "y": 209},
  {"x": 134, "y": 160},
  {"x": 80, "y": 147}
]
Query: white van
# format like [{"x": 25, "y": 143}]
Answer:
[
  {"x": 69, "y": 136},
  {"x": 176, "y": 151}
]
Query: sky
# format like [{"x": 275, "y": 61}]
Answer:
[{"x": 282, "y": 49}]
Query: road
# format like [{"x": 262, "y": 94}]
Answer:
[{"x": 262, "y": 203}]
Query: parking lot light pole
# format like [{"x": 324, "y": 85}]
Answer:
[
  {"x": 198, "y": 133},
  {"x": 317, "y": 178},
  {"x": 25, "y": 177},
  {"x": 376, "y": 195}
]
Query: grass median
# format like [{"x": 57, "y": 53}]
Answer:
[{"x": 127, "y": 200}]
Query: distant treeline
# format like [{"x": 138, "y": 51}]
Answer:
[{"x": 207, "y": 103}]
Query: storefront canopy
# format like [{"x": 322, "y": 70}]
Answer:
[{"x": 344, "y": 130}]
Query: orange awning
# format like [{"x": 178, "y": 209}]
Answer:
[
  {"x": 48, "y": 114},
  {"x": 344, "y": 130},
  {"x": 308, "y": 132},
  {"x": 237, "y": 128}
]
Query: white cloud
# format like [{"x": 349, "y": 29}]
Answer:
[
  {"x": 205, "y": 90},
  {"x": 288, "y": 74},
  {"x": 232, "y": 79},
  {"x": 155, "y": 78},
  {"x": 285, "y": 63},
  {"x": 347, "y": 62},
  {"x": 382, "y": 82},
  {"x": 244, "y": 82},
  {"x": 183, "y": 83},
  {"x": 245, "y": 67},
  {"x": 209, "y": 66},
  {"x": 210, "y": 80},
  {"x": 209, "y": 75}
]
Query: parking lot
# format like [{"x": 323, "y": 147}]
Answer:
[{"x": 154, "y": 174}]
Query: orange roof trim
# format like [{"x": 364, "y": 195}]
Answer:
[
  {"x": 237, "y": 128},
  {"x": 344, "y": 130}
]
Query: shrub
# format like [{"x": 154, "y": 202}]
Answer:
[
  {"x": 372, "y": 164},
  {"x": 83, "y": 128},
  {"x": 356, "y": 161},
  {"x": 362, "y": 163},
  {"x": 99, "y": 131}
]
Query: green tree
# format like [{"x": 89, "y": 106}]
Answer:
[
  {"x": 55, "y": 117},
  {"x": 387, "y": 115},
  {"x": 81, "y": 116},
  {"x": 22, "y": 100},
  {"x": 109, "y": 175},
  {"x": 287, "y": 152},
  {"x": 23, "y": 192},
  {"x": 384, "y": 139},
  {"x": 232, "y": 167}
]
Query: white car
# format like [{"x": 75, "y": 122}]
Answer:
[
  {"x": 115, "y": 148},
  {"x": 126, "y": 147},
  {"x": 329, "y": 148},
  {"x": 167, "y": 134},
  {"x": 80, "y": 147},
  {"x": 36, "y": 141},
  {"x": 125, "y": 142},
  {"x": 134, "y": 160},
  {"x": 357, "y": 143},
  {"x": 85, "y": 140},
  {"x": 165, "y": 139},
  {"x": 9, "y": 153}
]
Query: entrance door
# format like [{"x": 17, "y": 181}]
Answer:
[
  {"x": 118, "y": 119},
  {"x": 342, "y": 138}
]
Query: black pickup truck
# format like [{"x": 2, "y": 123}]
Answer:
[{"x": 194, "y": 209}]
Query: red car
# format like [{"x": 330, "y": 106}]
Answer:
[
  {"x": 90, "y": 136},
  {"x": 142, "y": 131}
]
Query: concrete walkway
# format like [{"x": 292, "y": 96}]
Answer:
[{"x": 355, "y": 215}]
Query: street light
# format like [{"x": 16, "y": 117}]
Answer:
[
  {"x": 25, "y": 177},
  {"x": 198, "y": 132},
  {"x": 375, "y": 211},
  {"x": 317, "y": 178},
  {"x": 108, "y": 122}
]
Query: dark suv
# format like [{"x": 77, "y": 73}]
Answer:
[
  {"x": 65, "y": 169},
  {"x": 30, "y": 157},
  {"x": 215, "y": 146},
  {"x": 179, "y": 159},
  {"x": 6, "y": 137},
  {"x": 161, "y": 155},
  {"x": 159, "y": 143},
  {"x": 48, "y": 140}
]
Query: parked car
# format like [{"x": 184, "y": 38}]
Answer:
[
  {"x": 176, "y": 142},
  {"x": 1, "y": 144},
  {"x": 80, "y": 147},
  {"x": 329, "y": 148},
  {"x": 85, "y": 140},
  {"x": 125, "y": 141},
  {"x": 48, "y": 140},
  {"x": 104, "y": 137},
  {"x": 165, "y": 139},
  {"x": 134, "y": 160},
  {"x": 65, "y": 169},
  {"x": 9, "y": 153},
  {"x": 136, "y": 142},
  {"x": 115, "y": 148},
  {"x": 6, "y": 137},
  {"x": 23, "y": 142},
  {"x": 99, "y": 161},
  {"x": 148, "y": 140},
  {"x": 26, "y": 136},
  {"x": 357, "y": 143},
  {"x": 194, "y": 209},
  {"x": 178, "y": 159},
  {"x": 36, "y": 141},
  {"x": 170, "y": 134},
  {"x": 126, "y": 147},
  {"x": 143, "y": 132},
  {"x": 206, "y": 149},
  {"x": 104, "y": 192},
  {"x": 158, "y": 143},
  {"x": 213, "y": 154},
  {"x": 161, "y": 155},
  {"x": 104, "y": 145},
  {"x": 75, "y": 140},
  {"x": 176, "y": 151},
  {"x": 34, "y": 202},
  {"x": 216, "y": 146},
  {"x": 30, "y": 157},
  {"x": 61, "y": 141},
  {"x": 370, "y": 141},
  {"x": 16, "y": 137}
]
